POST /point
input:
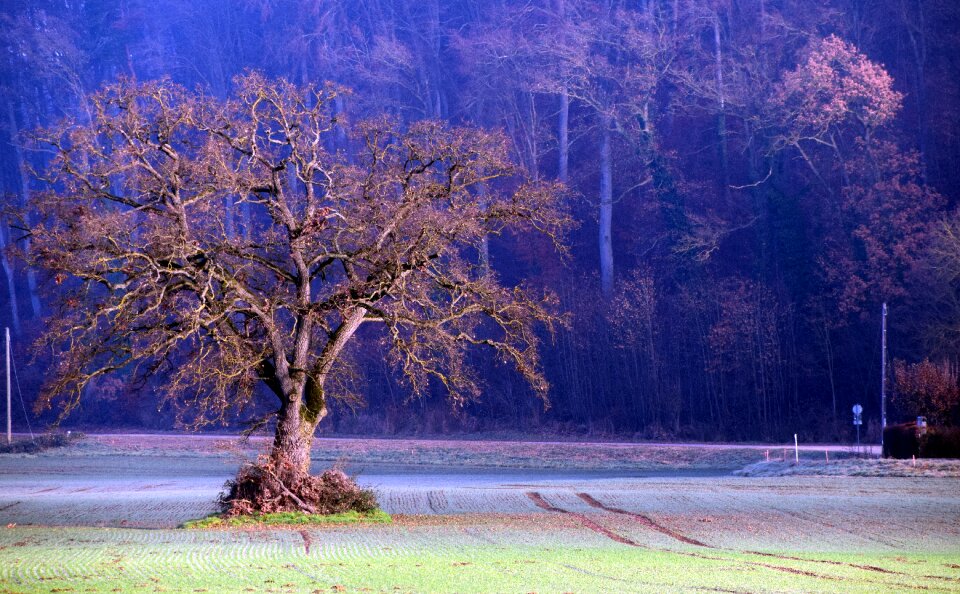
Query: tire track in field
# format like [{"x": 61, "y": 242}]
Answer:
[
  {"x": 872, "y": 568},
  {"x": 863, "y": 534},
  {"x": 542, "y": 503},
  {"x": 648, "y": 522},
  {"x": 437, "y": 500},
  {"x": 827, "y": 562},
  {"x": 804, "y": 572},
  {"x": 645, "y": 520}
]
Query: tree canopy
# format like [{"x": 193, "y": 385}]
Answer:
[{"x": 341, "y": 224}]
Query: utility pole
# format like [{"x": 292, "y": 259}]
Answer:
[
  {"x": 883, "y": 375},
  {"x": 9, "y": 424}
]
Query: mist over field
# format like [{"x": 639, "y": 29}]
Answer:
[{"x": 680, "y": 218}]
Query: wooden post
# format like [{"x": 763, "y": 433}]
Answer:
[{"x": 883, "y": 375}]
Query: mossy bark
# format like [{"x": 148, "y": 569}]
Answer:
[{"x": 297, "y": 422}]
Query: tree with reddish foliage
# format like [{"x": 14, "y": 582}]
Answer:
[
  {"x": 927, "y": 389},
  {"x": 387, "y": 234},
  {"x": 891, "y": 214},
  {"x": 835, "y": 109},
  {"x": 836, "y": 86}
]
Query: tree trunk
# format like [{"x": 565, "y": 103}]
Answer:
[
  {"x": 485, "y": 240},
  {"x": 24, "y": 203},
  {"x": 293, "y": 439},
  {"x": 564, "y": 136},
  {"x": 916, "y": 31},
  {"x": 721, "y": 110},
  {"x": 229, "y": 224},
  {"x": 11, "y": 282},
  {"x": 606, "y": 210}
]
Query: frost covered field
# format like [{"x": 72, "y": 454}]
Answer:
[{"x": 102, "y": 515}]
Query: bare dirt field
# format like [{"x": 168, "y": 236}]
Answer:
[{"x": 475, "y": 516}]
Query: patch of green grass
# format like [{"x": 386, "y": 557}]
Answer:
[
  {"x": 434, "y": 560},
  {"x": 376, "y": 516}
]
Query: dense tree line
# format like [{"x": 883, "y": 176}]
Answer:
[{"x": 751, "y": 179}]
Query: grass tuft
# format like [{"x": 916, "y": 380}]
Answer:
[{"x": 376, "y": 516}]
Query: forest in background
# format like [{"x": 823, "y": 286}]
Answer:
[{"x": 752, "y": 180}]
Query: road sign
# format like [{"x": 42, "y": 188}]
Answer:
[{"x": 858, "y": 420}]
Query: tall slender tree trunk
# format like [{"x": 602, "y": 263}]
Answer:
[
  {"x": 918, "y": 43},
  {"x": 564, "y": 136},
  {"x": 24, "y": 200},
  {"x": 606, "y": 209},
  {"x": 11, "y": 279},
  {"x": 722, "y": 109},
  {"x": 828, "y": 350},
  {"x": 563, "y": 124}
]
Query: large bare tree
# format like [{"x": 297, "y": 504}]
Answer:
[{"x": 385, "y": 232}]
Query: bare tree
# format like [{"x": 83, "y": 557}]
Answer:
[{"x": 386, "y": 235}]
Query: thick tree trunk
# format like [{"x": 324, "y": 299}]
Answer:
[{"x": 293, "y": 438}]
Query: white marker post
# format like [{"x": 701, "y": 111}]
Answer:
[{"x": 796, "y": 449}]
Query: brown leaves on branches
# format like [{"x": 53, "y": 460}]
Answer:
[
  {"x": 835, "y": 85},
  {"x": 926, "y": 388},
  {"x": 226, "y": 244}
]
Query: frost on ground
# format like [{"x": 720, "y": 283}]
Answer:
[
  {"x": 492, "y": 454},
  {"x": 471, "y": 528},
  {"x": 867, "y": 467}
]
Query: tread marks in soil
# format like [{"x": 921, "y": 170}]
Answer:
[
  {"x": 645, "y": 520},
  {"x": 542, "y": 503}
]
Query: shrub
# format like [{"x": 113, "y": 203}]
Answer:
[
  {"x": 40, "y": 443},
  {"x": 900, "y": 441},
  {"x": 940, "y": 442}
]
